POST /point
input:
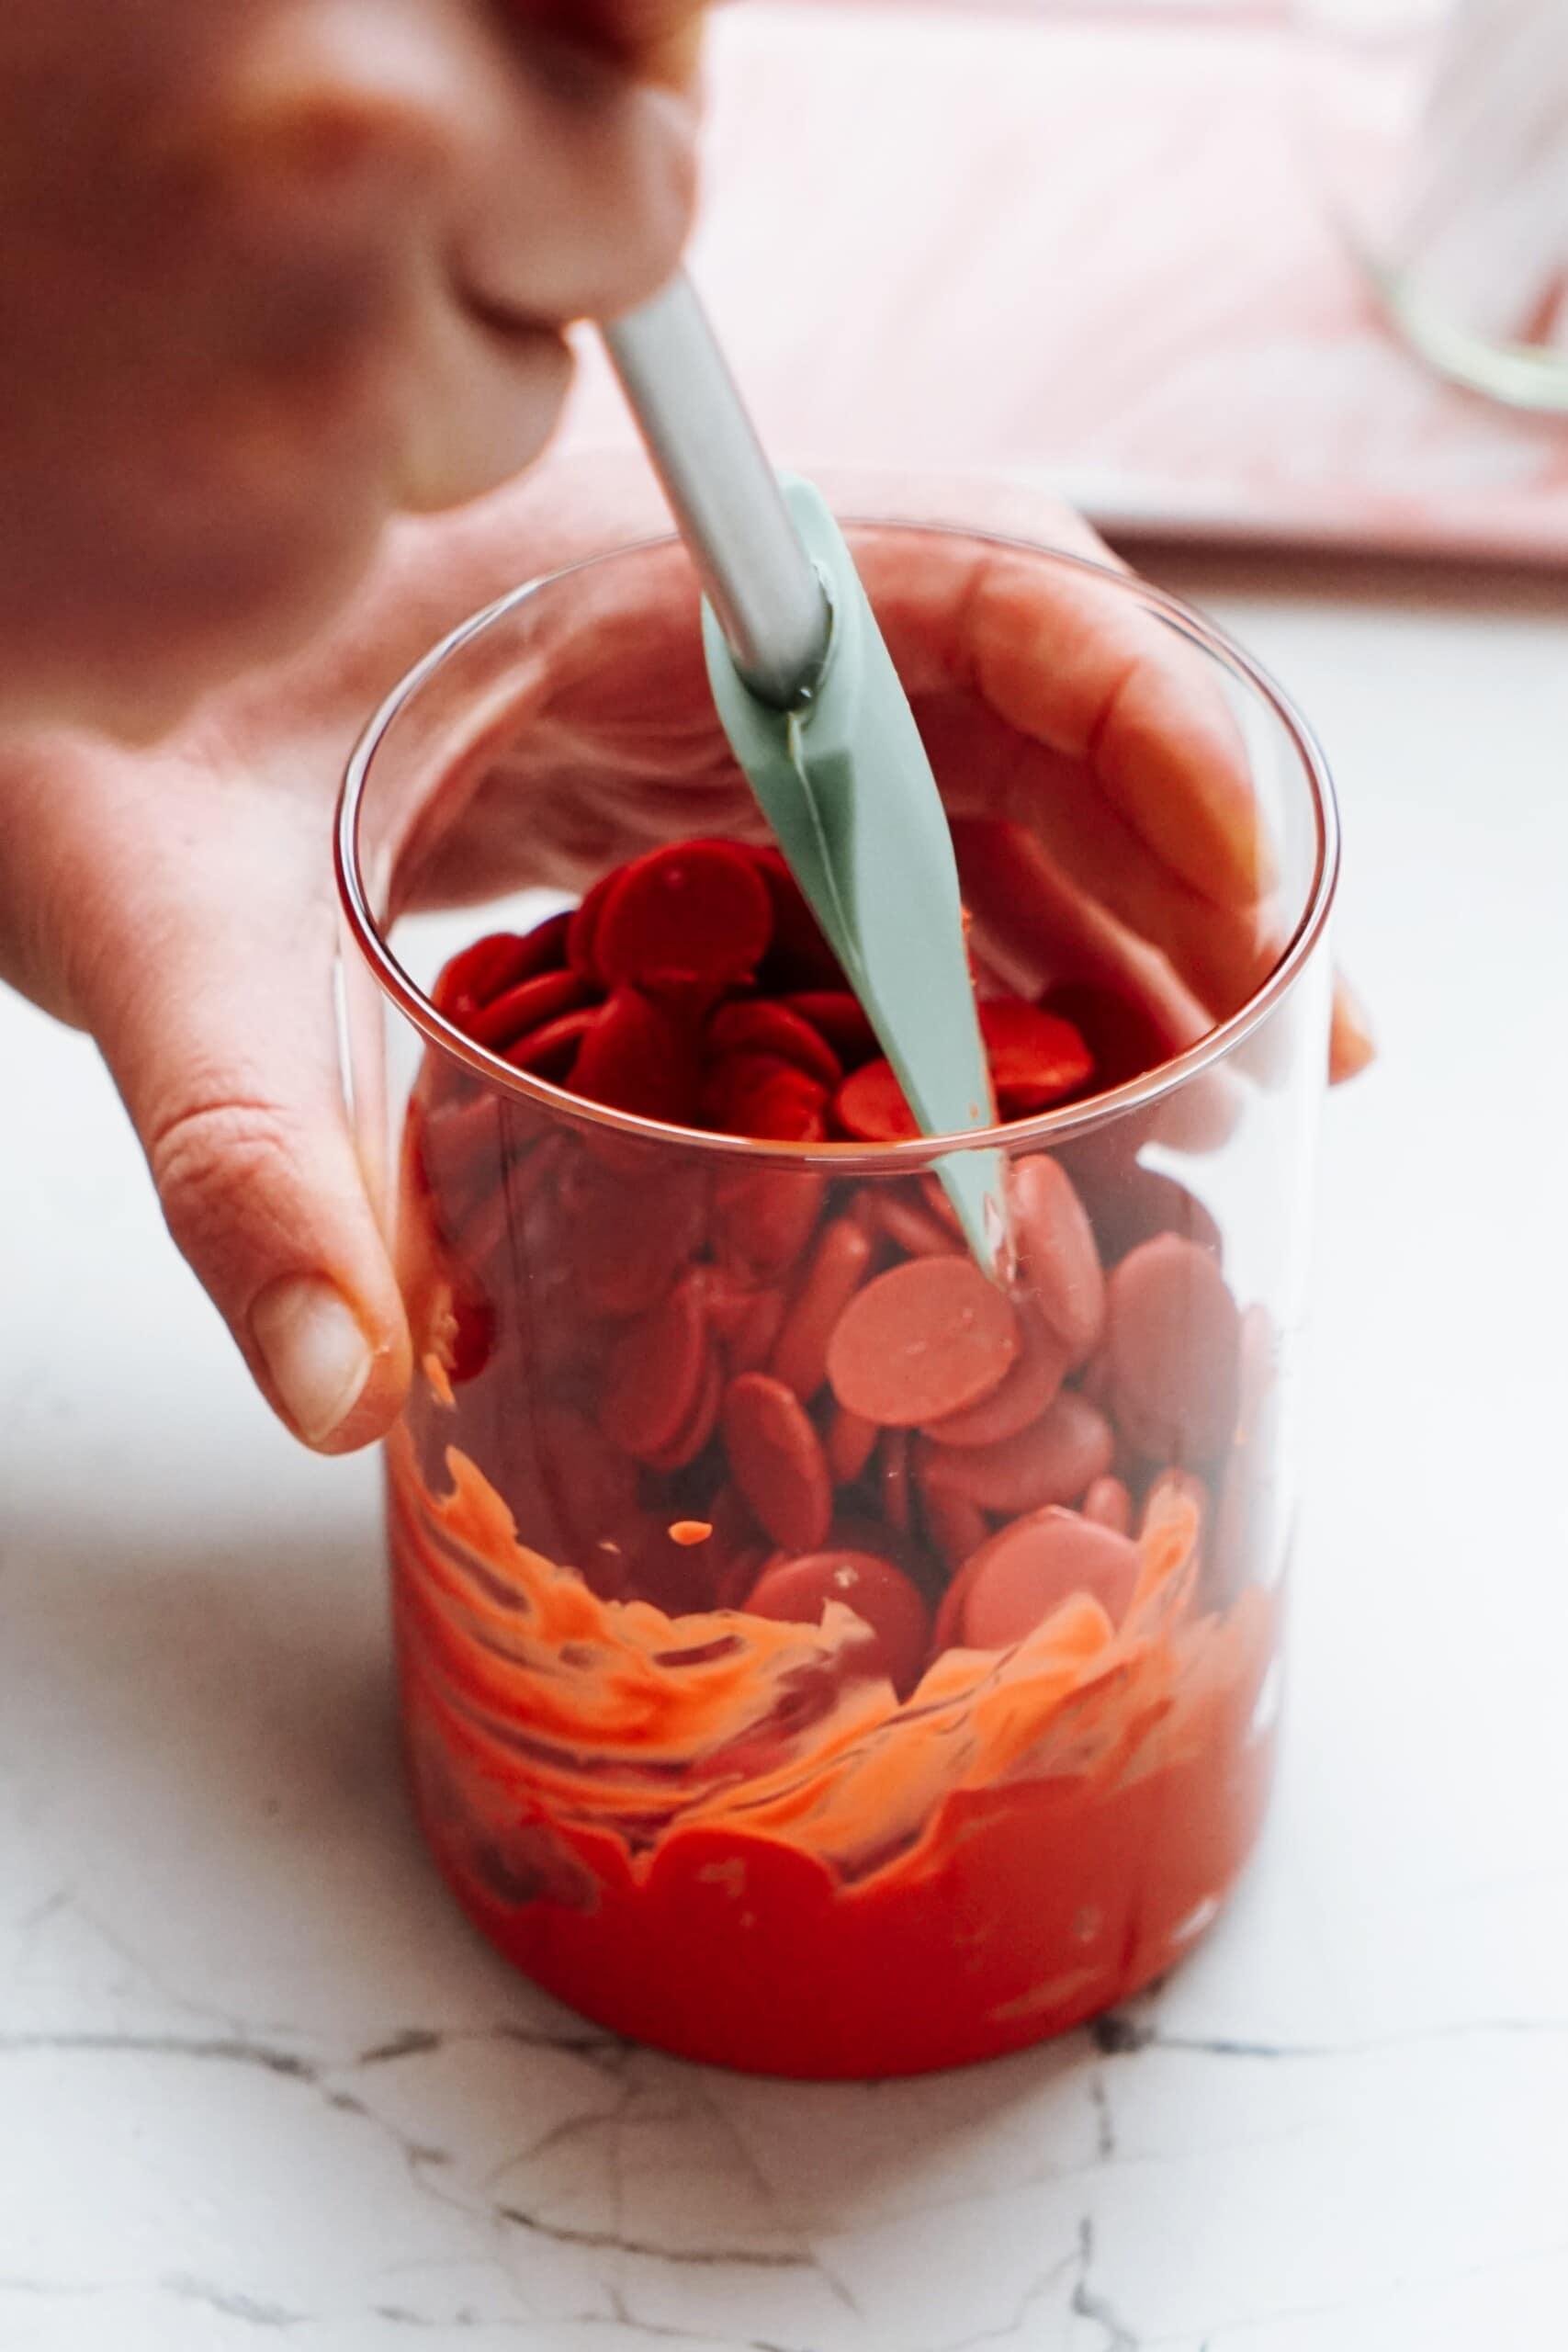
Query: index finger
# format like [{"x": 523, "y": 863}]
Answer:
[{"x": 1065, "y": 656}]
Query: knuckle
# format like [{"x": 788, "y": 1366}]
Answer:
[{"x": 218, "y": 1163}]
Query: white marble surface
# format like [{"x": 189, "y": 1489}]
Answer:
[{"x": 256, "y": 2076}]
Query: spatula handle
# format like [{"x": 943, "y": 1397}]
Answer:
[{"x": 768, "y": 598}]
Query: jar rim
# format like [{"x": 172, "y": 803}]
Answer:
[{"x": 1045, "y": 1127}]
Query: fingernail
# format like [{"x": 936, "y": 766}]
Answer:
[{"x": 313, "y": 1347}]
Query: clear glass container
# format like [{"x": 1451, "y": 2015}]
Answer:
[
  {"x": 924, "y": 1824},
  {"x": 1439, "y": 132}
]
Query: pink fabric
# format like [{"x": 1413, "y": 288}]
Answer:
[{"x": 1084, "y": 248}]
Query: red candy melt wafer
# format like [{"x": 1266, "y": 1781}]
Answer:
[
  {"x": 480, "y": 973},
  {"x": 550, "y": 1051},
  {"x": 941, "y": 1207},
  {"x": 455, "y": 1325},
  {"x": 1173, "y": 1341},
  {"x": 750, "y": 1343},
  {"x": 1132, "y": 1202},
  {"x": 896, "y": 1622},
  {"x": 798, "y": 957},
  {"x": 1027, "y": 1571},
  {"x": 1021, "y": 1398},
  {"x": 787, "y": 1108},
  {"x": 1057, "y": 1256},
  {"x": 1036, "y": 1059},
  {"x": 763, "y": 1217},
  {"x": 457, "y": 1150},
  {"x": 912, "y": 1227},
  {"x": 638, "y": 1056},
  {"x": 589, "y": 1472},
  {"x": 1014, "y": 1582},
  {"x": 756, "y": 1026},
  {"x": 776, "y": 1460},
  {"x": 858, "y": 1532},
  {"x": 840, "y": 1018},
  {"x": 584, "y": 924},
  {"x": 697, "y": 911},
  {"x": 956, "y": 1526},
  {"x": 654, "y": 1378},
  {"x": 696, "y": 1429},
  {"x": 761, "y": 1095},
  {"x": 526, "y": 1006},
  {"x": 1054, "y": 1461},
  {"x": 627, "y": 1241},
  {"x": 1125, "y": 1037},
  {"x": 497, "y": 963},
  {"x": 849, "y": 1442},
  {"x": 730, "y": 1299},
  {"x": 923, "y": 1339},
  {"x": 839, "y": 1265},
  {"x": 871, "y": 1107},
  {"x": 1109, "y": 1504}
]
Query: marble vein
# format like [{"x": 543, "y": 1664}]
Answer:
[
  {"x": 1090, "y": 2304},
  {"x": 685, "y": 2257},
  {"x": 231, "y": 2305},
  {"x": 1119, "y": 2035},
  {"x": 1104, "y": 2123},
  {"x": 345, "y": 2082},
  {"x": 621, "y": 2315},
  {"x": 425, "y": 2041},
  {"x": 1032, "y": 2296},
  {"x": 97, "y": 2039}
]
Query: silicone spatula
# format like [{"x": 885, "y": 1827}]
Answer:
[{"x": 820, "y": 722}]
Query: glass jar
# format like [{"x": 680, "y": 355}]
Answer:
[
  {"x": 1440, "y": 131},
  {"x": 906, "y": 1831}
]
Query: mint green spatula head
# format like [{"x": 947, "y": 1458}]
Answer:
[{"x": 846, "y": 785}]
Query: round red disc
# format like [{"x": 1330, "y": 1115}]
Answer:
[
  {"x": 897, "y": 1620},
  {"x": 926, "y": 1338},
  {"x": 757, "y": 1026},
  {"x": 776, "y": 1460},
  {"x": 871, "y": 1106},
  {"x": 695, "y": 911}
]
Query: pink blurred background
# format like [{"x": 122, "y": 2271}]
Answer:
[{"x": 1086, "y": 244}]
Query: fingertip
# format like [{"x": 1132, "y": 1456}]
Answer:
[
  {"x": 1246, "y": 870},
  {"x": 379, "y": 1403},
  {"x": 1351, "y": 1045},
  {"x": 335, "y": 1375}
]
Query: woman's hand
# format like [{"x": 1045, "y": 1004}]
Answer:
[
  {"x": 180, "y": 904},
  {"x": 276, "y": 269}
]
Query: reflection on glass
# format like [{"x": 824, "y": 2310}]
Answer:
[{"x": 1441, "y": 131}]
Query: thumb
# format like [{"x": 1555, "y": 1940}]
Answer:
[
  {"x": 658, "y": 39},
  {"x": 213, "y": 1005}
]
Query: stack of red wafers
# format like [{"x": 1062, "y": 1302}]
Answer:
[
  {"x": 715, "y": 1384},
  {"x": 693, "y": 986}
]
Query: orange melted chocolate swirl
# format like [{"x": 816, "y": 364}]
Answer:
[{"x": 614, "y": 1716}]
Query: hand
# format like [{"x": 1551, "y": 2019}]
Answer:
[
  {"x": 277, "y": 269},
  {"x": 180, "y": 904}
]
